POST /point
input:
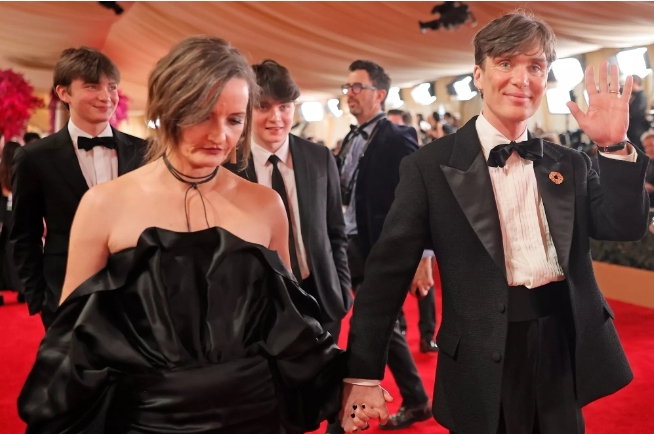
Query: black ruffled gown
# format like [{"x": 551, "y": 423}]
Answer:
[{"x": 198, "y": 332}]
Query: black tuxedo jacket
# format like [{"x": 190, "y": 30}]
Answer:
[
  {"x": 321, "y": 222},
  {"x": 48, "y": 184},
  {"x": 445, "y": 200},
  {"x": 379, "y": 174}
]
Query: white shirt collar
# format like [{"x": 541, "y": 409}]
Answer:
[
  {"x": 490, "y": 137},
  {"x": 76, "y": 132},
  {"x": 260, "y": 155}
]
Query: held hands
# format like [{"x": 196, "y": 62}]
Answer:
[
  {"x": 607, "y": 118},
  {"x": 361, "y": 404},
  {"x": 423, "y": 280}
]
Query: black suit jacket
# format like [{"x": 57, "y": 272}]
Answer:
[
  {"x": 445, "y": 200},
  {"x": 378, "y": 176},
  {"x": 48, "y": 184},
  {"x": 321, "y": 222}
]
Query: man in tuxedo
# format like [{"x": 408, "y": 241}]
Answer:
[
  {"x": 369, "y": 161},
  {"x": 51, "y": 175},
  {"x": 526, "y": 337},
  {"x": 306, "y": 178},
  {"x": 426, "y": 304}
]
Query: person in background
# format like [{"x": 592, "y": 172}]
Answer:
[
  {"x": 426, "y": 303},
  {"x": 647, "y": 139},
  {"x": 52, "y": 174},
  {"x": 9, "y": 279},
  {"x": 30, "y": 137},
  {"x": 310, "y": 189},
  {"x": 370, "y": 162},
  {"x": 638, "y": 123}
]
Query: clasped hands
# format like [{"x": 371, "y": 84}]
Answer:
[{"x": 361, "y": 404}]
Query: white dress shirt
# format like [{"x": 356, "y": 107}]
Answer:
[
  {"x": 529, "y": 252},
  {"x": 263, "y": 169},
  {"x": 98, "y": 165}
]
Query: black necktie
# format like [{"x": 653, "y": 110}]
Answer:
[
  {"x": 87, "y": 144},
  {"x": 531, "y": 149},
  {"x": 280, "y": 188}
]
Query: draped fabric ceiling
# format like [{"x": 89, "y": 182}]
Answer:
[{"x": 315, "y": 40}]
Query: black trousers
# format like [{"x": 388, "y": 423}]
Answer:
[
  {"x": 427, "y": 312},
  {"x": 400, "y": 361},
  {"x": 538, "y": 391}
]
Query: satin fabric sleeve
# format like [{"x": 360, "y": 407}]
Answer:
[
  {"x": 71, "y": 385},
  {"x": 306, "y": 365}
]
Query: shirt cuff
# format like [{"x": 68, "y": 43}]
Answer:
[
  {"x": 631, "y": 157},
  {"x": 428, "y": 254},
  {"x": 362, "y": 382}
]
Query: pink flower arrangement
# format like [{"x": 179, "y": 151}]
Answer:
[
  {"x": 121, "y": 110},
  {"x": 17, "y": 103}
]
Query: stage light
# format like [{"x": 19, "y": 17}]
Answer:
[
  {"x": 423, "y": 94},
  {"x": 312, "y": 111},
  {"x": 557, "y": 98},
  {"x": 451, "y": 16},
  {"x": 394, "y": 100},
  {"x": 334, "y": 107},
  {"x": 463, "y": 88},
  {"x": 634, "y": 62},
  {"x": 568, "y": 72}
]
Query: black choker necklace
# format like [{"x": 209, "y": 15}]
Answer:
[{"x": 193, "y": 182}]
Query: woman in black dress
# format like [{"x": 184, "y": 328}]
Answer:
[{"x": 178, "y": 313}]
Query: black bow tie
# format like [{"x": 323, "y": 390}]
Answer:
[
  {"x": 355, "y": 131},
  {"x": 87, "y": 144},
  {"x": 531, "y": 149}
]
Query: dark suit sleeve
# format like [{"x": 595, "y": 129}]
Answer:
[
  {"x": 389, "y": 271},
  {"x": 336, "y": 224},
  {"x": 27, "y": 230},
  {"x": 619, "y": 203}
]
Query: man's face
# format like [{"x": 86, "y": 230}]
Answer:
[
  {"x": 272, "y": 122},
  {"x": 513, "y": 86},
  {"x": 90, "y": 103},
  {"x": 366, "y": 103},
  {"x": 396, "y": 119},
  {"x": 648, "y": 144}
]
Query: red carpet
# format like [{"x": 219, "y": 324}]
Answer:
[{"x": 628, "y": 411}]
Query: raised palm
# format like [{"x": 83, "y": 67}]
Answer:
[{"x": 607, "y": 118}]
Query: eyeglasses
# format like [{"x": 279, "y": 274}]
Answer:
[{"x": 356, "y": 88}]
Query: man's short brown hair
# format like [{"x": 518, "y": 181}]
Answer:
[
  {"x": 83, "y": 63},
  {"x": 275, "y": 82},
  {"x": 513, "y": 34}
]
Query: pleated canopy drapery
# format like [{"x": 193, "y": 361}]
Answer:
[{"x": 315, "y": 40}]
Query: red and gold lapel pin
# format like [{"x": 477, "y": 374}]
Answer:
[{"x": 556, "y": 177}]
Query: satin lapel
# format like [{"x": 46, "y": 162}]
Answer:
[
  {"x": 126, "y": 152},
  {"x": 303, "y": 185},
  {"x": 68, "y": 164},
  {"x": 558, "y": 199},
  {"x": 467, "y": 174}
]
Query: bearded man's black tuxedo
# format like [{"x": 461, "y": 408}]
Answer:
[
  {"x": 445, "y": 201},
  {"x": 48, "y": 184}
]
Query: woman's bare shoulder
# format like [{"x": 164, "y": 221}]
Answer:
[{"x": 252, "y": 196}]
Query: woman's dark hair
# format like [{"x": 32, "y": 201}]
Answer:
[{"x": 7, "y": 164}]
